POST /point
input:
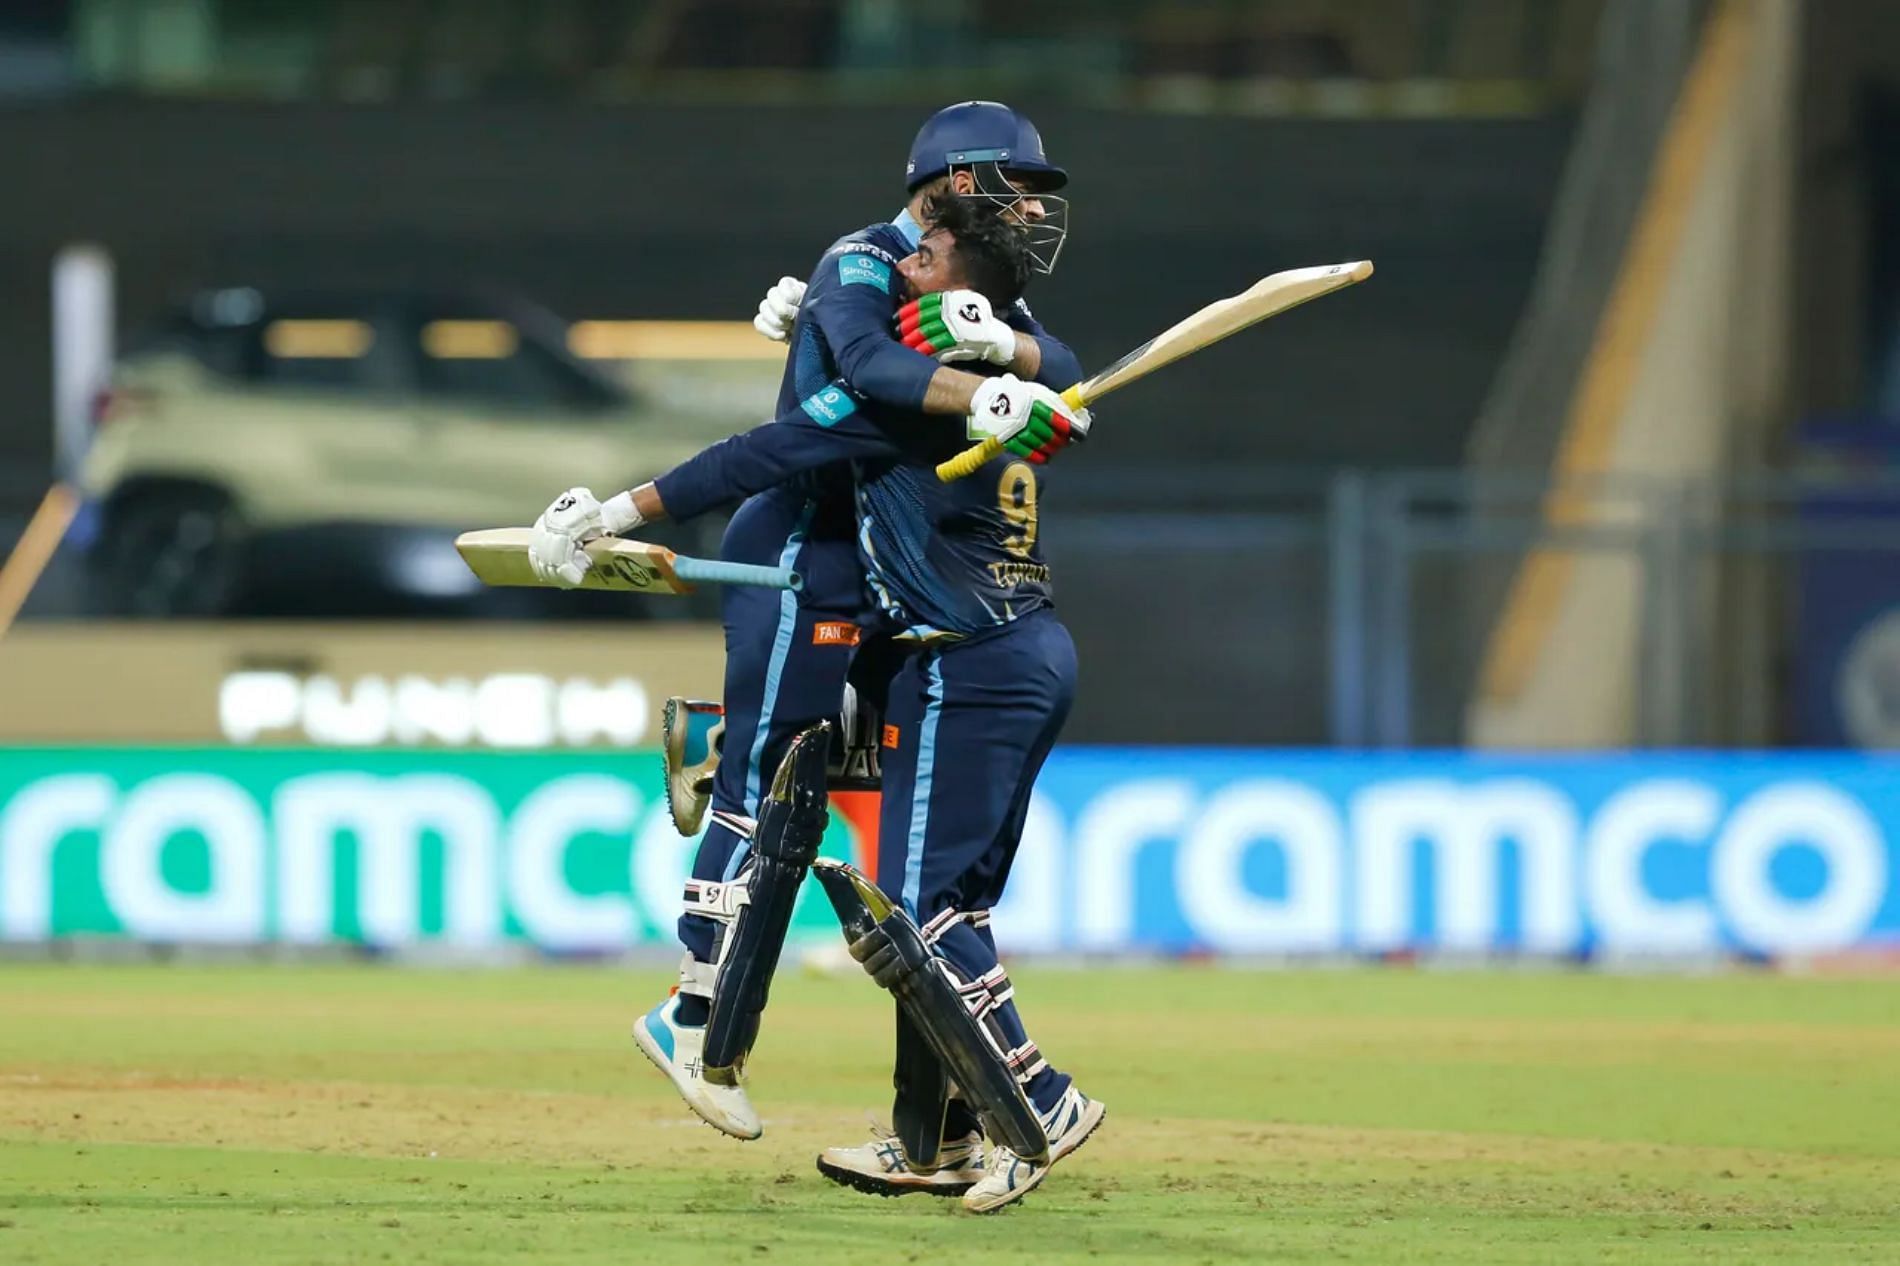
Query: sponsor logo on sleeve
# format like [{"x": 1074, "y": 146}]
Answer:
[
  {"x": 859, "y": 269},
  {"x": 829, "y": 407}
]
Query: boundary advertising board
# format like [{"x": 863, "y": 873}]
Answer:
[{"x": 1127, "y": 850}]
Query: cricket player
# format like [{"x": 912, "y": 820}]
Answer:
[
  {"x": 787, "y": 655},
  {"x": 958, "y": 578}
]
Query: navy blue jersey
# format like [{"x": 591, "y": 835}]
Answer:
[
  {"x": 844, "y": 328},
  {"x": 958, "y": 558},
  {"x": 845, "y": 333}
]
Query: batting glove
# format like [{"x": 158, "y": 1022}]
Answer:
[
  {"x": 955, "y": 325},
  {"x": 575, "y": 517},
  {"x": 1031, "y": 420},
  {"x": 779, "y": 309}
]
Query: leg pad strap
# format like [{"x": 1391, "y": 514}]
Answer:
[
  {"x": 931, "y": 991},
  {"x": 792, "y": 821}
]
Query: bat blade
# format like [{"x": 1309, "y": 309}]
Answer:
[
  {"x": 1267, "y": 297},
  {"x": 499, "y": 556}
]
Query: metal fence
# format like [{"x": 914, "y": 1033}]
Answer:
[{"x": 1356, "y": 609}]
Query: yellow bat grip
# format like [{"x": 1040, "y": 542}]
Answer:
[{"x": 970, "y": 460}]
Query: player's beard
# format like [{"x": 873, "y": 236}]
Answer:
[{"x": 1044, "y": 237}]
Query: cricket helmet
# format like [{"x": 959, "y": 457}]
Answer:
[
  {"x": 973, "y": 132},
  {"x": 1003, "y": 153}
]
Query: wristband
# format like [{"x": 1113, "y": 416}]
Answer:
[{"x": 618, "y": 515}]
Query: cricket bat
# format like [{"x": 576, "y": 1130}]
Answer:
[
  {"x": 499, "y": 556},
  {"x": 1267, "y": 297}
]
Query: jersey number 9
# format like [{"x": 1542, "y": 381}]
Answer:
[{"x": 1016, "y": 498}]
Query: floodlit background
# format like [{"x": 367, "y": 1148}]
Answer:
[{"x": 1436, "y": 615}]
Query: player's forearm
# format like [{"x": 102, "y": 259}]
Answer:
[
  {"x": 1058, "y": 367},
  {"x": 648, "y": 502},
  {"x": 827, "y": 428},
  {"x": 880, "y": 369},
  {"x": 950, "y": 391},
  {"x": 713, "y": 477},
  {"x": 1027, "y": 362}
]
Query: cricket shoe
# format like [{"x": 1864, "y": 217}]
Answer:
[
  {"x": 1010, "y": 1177},
  {"x": 881, "y": 1168},
  {"x": 692, "y": 733},
  {"x": 675, "y": 1050}
]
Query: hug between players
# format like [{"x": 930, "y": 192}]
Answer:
[{"x": 922, "y": 657}]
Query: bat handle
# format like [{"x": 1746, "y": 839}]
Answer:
[
  {"x": 968, "y": 461},
  {"x": 713, "y": 571},
  {"x": 971, "y": 459}
]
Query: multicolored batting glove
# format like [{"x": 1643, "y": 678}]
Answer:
[
  {"x": 956, "y": 325},
  {"x": 1050, "y": 429},
  {"x": 1030, "y": 421}
]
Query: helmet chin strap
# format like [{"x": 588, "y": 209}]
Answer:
[{"x": 1046, "y": 235}]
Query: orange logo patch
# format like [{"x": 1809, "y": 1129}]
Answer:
[
  {"x": 890, "y": 737},
  {"x": 835, "y": 633}
]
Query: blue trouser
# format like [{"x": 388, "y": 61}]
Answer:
[
  {"x": 783, "y": 672},
  {"x": 975, "y": 720}
]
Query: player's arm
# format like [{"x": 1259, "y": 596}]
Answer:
[
  {"x": 831, "y": 426},
  {"x": 1056, "y": 366},
  {"x": 730, "y": 470},
  {"x": 959, "y": 325},
  {"x": 851, "y": 301}
]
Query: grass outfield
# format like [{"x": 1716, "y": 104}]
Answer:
[{"x": 292, "y": 1114}]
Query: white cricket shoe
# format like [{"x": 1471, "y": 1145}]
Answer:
[
  {"x": 1010, "y": 1177},
  {"x": 675, "y": 1050},
  {"x": 880, "y": 1167}
]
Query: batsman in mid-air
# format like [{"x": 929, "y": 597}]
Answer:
[{"x": 941, "y": 590}]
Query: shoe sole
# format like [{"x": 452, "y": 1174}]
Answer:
[
  {"x": 643, "y": 1041},
  {"x": 1088, "y": 1131},
  {"x": 673, "y": 744},
  {"x": 873, "y": 1185}
]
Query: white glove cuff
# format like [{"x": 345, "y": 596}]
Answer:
[{"x": 617, "y": 514}]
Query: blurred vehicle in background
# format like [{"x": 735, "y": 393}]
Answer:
[{"x": 315, "y": 453}]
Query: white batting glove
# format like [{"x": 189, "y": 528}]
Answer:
[
  {"x": 955, "y": 325},
  {"x": 779, "y": 309},
  {"x": 574, "y": 518}
]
